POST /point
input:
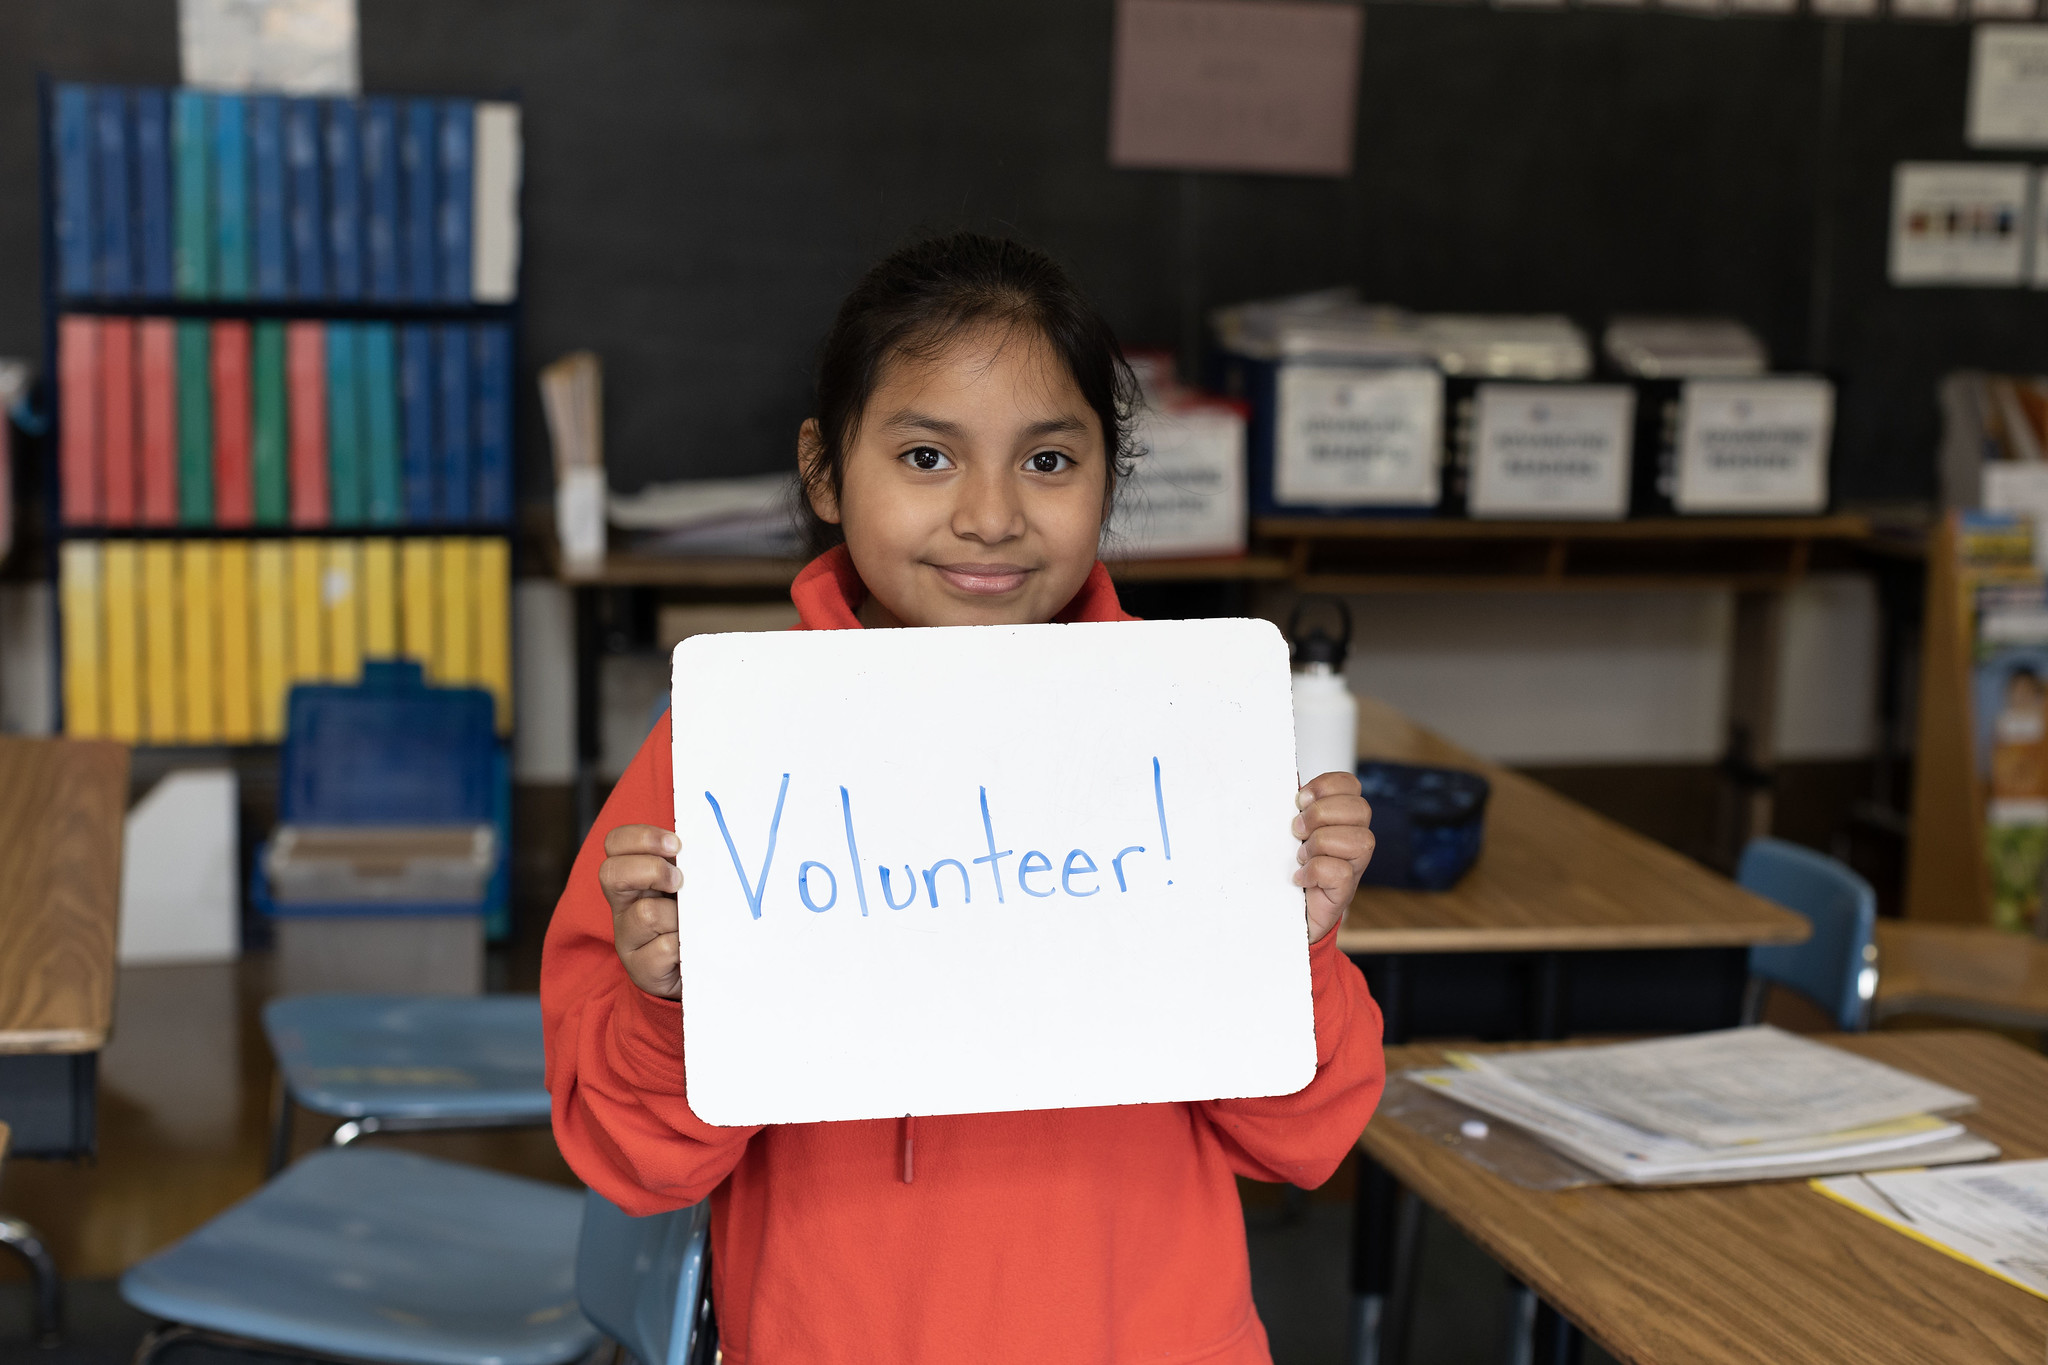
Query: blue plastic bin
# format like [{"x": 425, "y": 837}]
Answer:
[{"x": 391, "y": 750}]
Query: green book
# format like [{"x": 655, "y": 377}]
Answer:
[
  {"x": 267, "y": 442},
  {"x": 192, "y": 230},
  {"x": 195, "y": 422},
  {"x": 344, "y": 427},
  {"x": 377, "y": 373}
]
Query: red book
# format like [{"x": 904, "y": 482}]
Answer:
[
  {"x": 117, "y": 421},
  {"x": 157, "y": 424},
  {"x": 305, "y": 379},
  {"x": 234, "y": 492},
  {"x": 78, "y": 418}
]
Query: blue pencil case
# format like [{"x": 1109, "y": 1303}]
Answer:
[{"x": 1428, "y": 823}]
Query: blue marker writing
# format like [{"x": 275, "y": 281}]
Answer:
[
  {"x": 1159, "y": 801},
  {"x": 994, "y": 859},
  {"x": 753, "y": 893},
  {"x": 853, "y": 852}
]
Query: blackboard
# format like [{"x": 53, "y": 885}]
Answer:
[{"x": 704, "y": 181}]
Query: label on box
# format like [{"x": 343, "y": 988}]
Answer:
[
  {"x": 1186, "y": 491},
  {"x": 1754, "y": 445},
  {"x": 1551, "y": 450},
  {"x": 1358, "y": 437}
]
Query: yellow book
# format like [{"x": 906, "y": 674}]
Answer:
[
  {"x": 416, "y": 586},
  {"x": 79, "y": 599},
  {"x": 493, "y": 569},
  {"x": 161, "y": 723},
  {"x": 197, "y": 560},
  {"x": 341, "y": 599},
  {"x": 269, "y": 566},
  {"x": 380, "y": 598},
  {"x": 455, "y": 660},
  {"x": 237, "y": 663},
  {"x": 307, "y": 654},
  {"x": 121, "y": 591}
]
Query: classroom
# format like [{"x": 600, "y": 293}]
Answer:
[{"x": 1257, "y": 682}]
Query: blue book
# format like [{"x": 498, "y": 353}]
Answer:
[
  {"x": 377, "y": 371},
  {"x": 493, "y": 430},
  {"x": 455, "y": 480},
  {"x": 344, "y": 428},
  {"x": 344, "y": 199},
  {"x": 114, "y": 225},
  {"x": 231, "y": 196},
  {"x": 153, "y": 193},
  {"x": 266, "y": 195},
  {"x": 453, "y": 173},
  {"x": 416, "y": 163},
  {"x": 416, "y": 420},
  {"x": 380, "y": 198},
  {"x": 74, "y": 131},
  {"x": 304, "y": 228},
  {"x": 192, "y": 201}
]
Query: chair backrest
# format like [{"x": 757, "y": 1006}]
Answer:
[
  {"x": 644, "y": 1281},
  {"x": 1836, "y": 968}
]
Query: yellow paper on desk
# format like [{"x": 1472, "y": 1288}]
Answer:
[{"x": 1992, "y": 1217}]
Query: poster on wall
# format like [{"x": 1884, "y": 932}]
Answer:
[
  {"x": 1960, "y": 222},
  {"x": 1235, "y": 85},
  {"x": 2008, "y": 103}
]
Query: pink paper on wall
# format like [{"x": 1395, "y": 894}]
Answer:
[{"x": 1235, "y": 85}]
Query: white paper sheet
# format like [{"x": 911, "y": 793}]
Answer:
[
  {"x": 988, "y": 868},
  {"x": 1733, "y": 1085},
  {"x": 1995, "y": 1217}
]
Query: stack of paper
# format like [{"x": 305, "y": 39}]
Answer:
[
  {"x": 1995, "y": 1218},
  {"x": 750, "y": 516},
  {"x": 1741, "y": 1104}
]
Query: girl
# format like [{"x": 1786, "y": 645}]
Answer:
[{"x": 971, "y": 424}]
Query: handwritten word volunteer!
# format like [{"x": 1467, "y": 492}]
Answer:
[{"x": 1078, "y": 875}]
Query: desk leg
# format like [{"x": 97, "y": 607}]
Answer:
[
  {"x": 1751, "y": 761},
  {"x": 1546, "y": 996},
  {"x": 1386, "y": 1222},
  {"x": 589, "y": 709},
  {"x": 26, "y": 1242}
]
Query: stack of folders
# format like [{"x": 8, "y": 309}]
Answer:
[
  {"x": 268, "y": 423},
  {"x": 1740, "y": 1104},
  {"x": 200, "y": 641},
  {"x": 194, "y": 194}
]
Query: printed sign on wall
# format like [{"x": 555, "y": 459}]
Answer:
[
  {"x": 1754, "y": 445},
  {"x": 1959, "y": 223},
  {"x": 1551, "y": 450},
  {"x": 988, "y": 868},
  {"x": 1186, "y": 492},
  {"x": 1350, "y": 437}
]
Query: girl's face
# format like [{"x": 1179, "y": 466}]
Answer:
[{"x": 972, "y": 493}]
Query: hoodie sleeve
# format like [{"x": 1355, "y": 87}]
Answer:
[
  {"x": 1301, "y": 1138},
  {"x": 614, "y": 1053}
]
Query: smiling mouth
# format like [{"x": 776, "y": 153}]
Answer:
[{"x": 983, "y": 580}]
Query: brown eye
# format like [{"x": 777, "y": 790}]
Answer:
[
  {"x": 927, "y": 459},
  {"x": 1048, "y": 462}
]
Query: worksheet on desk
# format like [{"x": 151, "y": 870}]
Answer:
[
  {"x": 1734, "y": 1085},
  {"x": 1995, "y": 1217},
  {"x": 968, "y": 869}
]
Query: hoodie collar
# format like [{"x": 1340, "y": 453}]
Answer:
[{"x": 828, "y": 592}]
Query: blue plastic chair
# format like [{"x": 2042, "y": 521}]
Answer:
[
  {"x": 1836, "y": 967},
  {"x": 646, "y": 1282},
  {"x": 405, "y": 1063},
  {"x": 378, "y": 1255}
]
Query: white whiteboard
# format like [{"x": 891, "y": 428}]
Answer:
[{"x": 1136, "y": 936}]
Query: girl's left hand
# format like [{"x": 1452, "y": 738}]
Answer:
[{"x": 1335, "y": 829}]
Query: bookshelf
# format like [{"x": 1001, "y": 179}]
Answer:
[{"x": 281, "y": 334}]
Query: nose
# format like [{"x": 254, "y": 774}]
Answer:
[{"x": 989, "y": 510}]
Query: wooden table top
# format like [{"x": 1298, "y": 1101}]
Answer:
[
  {"x": 1551, "y": 876},
  {"x": 62, "y": 803},
  {"x": 1965, "y": 971},
  {"x": 1742, "y": 1273}
]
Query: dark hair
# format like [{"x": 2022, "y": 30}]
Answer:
[{"x": 918, "y": 299}]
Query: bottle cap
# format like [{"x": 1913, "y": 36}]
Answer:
[{"x": 1319, "y": 646}]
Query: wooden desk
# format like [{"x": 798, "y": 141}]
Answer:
[
  {"x": 1754, "y": 1272},
  {"x": 62, "y": 803},
  {"x": 1964, "y": 971},
  {"x": 1552, "y": 876}
]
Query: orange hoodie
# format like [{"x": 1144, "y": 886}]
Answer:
[{"x": 1072, "y": 1235}]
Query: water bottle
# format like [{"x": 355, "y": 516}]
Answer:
[{"x": 1325, "y": 712}]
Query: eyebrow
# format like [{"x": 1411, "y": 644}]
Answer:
[{"x": 939, "y": 426}]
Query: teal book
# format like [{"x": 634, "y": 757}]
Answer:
[
  {"x": 378, "y": 364},
  {"x": 195, "y": 422},
  {"x": 267, "y": 451},
  {"x": 192, "y": 195},
  {"x": 344, "y": 427},
  {"x": 231, "y": 228}
]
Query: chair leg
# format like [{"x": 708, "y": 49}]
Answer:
[
  {"x": 1400, "y": 1306},
  {"x": 27, "y": 1243},
  {"x": 353, "y": 1129},
  {"x": 159, "y": 1340},
  {"x": 1522, "y": 1306}
]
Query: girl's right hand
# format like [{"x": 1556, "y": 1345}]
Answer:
[{"x": 640, "y": 879}]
